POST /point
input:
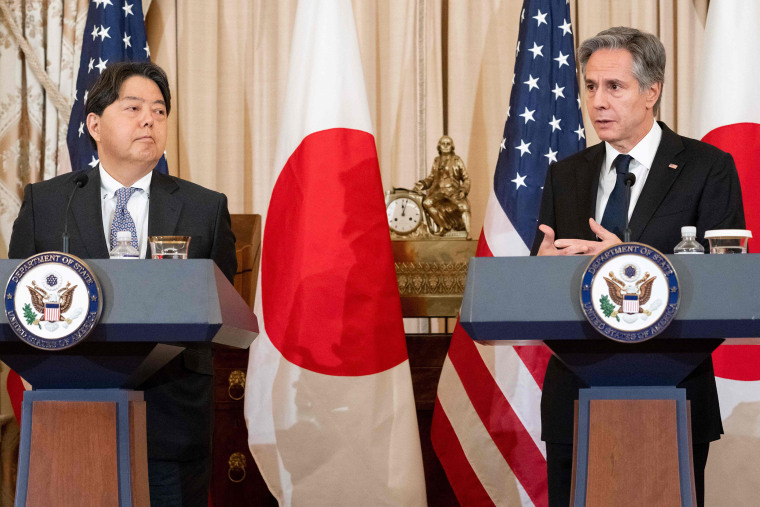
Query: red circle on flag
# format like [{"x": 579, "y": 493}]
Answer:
[
  {"x": 741, "y": 140},
  {"x": 329, "y": 294}
]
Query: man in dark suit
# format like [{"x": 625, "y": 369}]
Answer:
[
  {"x": 679, "y": 181},
  {"x": 127, "y": 110}
]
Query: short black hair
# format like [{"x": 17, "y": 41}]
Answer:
[{"x": 106, "y": 89}]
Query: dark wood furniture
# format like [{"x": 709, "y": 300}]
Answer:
[{"x": 235, "y": 479}]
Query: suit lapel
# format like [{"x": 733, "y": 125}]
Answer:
[
  {"x": 587, "y": 187},
  {"x": 659, "y": 181},
  {"x": 88, "y": 215},
  {"x": 165, "y": 208}
]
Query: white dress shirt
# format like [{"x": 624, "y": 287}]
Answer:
[
  {"x": 643, "y": 156},
  {"x": 138, "y": 206}
]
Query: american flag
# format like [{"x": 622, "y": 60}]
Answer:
[
  {"x": 114, "y": 32},
  {"x": 486, "y": 425}
]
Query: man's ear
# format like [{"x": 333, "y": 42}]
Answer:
[
  {"x": 653, "y": 93},
  {"x": 93, "y": 126}
]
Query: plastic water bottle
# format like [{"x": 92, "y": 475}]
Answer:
[
  {"x": 124, "y": 248},
  {"x": 689, "y": 243}
]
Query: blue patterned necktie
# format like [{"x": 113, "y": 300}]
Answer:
[
  {"x": 616, "y": 212},
  {"x": 122, "y": 220}
]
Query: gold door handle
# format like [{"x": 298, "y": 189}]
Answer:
[
  {"x": 236, "y": 472},
  {"x": 236, "y": 385}
]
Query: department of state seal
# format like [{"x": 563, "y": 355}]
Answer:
[
  {"x": 629, "y": 292},
  {"x": 52, "y": 301}
]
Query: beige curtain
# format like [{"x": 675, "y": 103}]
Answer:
[
  {"x": 228, "y": 63},
  {"x": 32, "y": 134}
]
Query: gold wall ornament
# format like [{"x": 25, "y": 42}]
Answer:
[
  {"x": 445, "y": 192},
  {"x": 431, "y": 275}
]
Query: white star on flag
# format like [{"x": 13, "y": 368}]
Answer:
[
  {"x": 541, "y": 17},
  {"x": 503, "y": 145},
  {"x": 528, "y": 115},
  {"x": 126, "y": 41},
  {"x": 104, "y": 33},
  {"x": 523, "y": 148},
  {"x": 552, "y": 156},
  {"x": 95, "y": 32},
  {"x": 520, "y": 181},
  {"x": 127, "y": 9},
  {"x": 557, "y": 91},
  {"x": 581, "y": 132},
  {"x": 147, "y": 49},
  {"x": 536, "y": 50},
  {"x": 81, "y": 129},
  {"x": 562, "y": 60},
  {"x": 94, "y": 162},
  {"x": 89, "y": 67},
  {"x": 532, "y": 82},
  {"x": 555, "y": 123},
  {"x": 566, "y": 27},
  {"x": 101, "y": 65}
]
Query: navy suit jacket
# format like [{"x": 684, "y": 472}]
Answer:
[
  {"x": 179, "y": 397},
  {"x": 689, "y": 183}
]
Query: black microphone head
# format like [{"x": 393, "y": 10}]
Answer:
[
  {"x": 81, "y": 179},
  {"x": 629, "y": 179}
]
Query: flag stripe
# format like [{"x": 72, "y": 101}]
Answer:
[
  {"x": 485, "y": 458},
  {"x": 535, "y": 358},
  {"x": 466, "y": 484},
  {"x": 518, "y": 386},
  {"x": 506, "y": 429}
]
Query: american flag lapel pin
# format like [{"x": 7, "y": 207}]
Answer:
[{"x": 673, "y": 166}]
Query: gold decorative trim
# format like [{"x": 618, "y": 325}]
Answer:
[{"x": 427, "y": 278}]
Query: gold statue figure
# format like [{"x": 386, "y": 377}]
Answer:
[{"x": 446, "y": 188}]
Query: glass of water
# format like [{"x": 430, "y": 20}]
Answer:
[
  {"x": 169, "y": 247},
  {"x": 728, "y": 241}
]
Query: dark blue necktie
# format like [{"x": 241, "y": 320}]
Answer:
[{"x": 616, "y": 211}]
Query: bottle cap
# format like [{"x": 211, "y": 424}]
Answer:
[
  {"x": 688, "y": 230},
  {"x": 123, "y": 236}
]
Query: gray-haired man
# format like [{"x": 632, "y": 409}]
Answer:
[{"x": 679, "y": 181}]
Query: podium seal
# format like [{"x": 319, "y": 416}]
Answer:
[
  {"x": 630, "y": 293},
  {"x": 53, "y": 301}
]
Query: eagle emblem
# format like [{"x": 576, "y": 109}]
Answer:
[
  {"x": 628, "y": 293},
  {"x": 50, "y": 300}
]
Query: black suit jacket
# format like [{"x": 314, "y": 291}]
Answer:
[
  {"x": 179, "y": 419},
  {"x": 702, "y": 190}
]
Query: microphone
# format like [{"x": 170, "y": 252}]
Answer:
[
  {"x": 629, "y": 180},
  {"x": 80, "y": 180}
]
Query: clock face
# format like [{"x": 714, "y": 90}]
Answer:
[{"x": 403, "y": 215}]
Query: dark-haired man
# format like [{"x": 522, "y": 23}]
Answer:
[
  {"x": 679, "y": 181},
  {"x": 127, "y": 110}
]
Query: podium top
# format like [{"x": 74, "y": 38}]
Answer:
[
  {"x": 152, "y": 310},
  {"x": 521, "y": 300},
  {"x": 162, "y": 301}
]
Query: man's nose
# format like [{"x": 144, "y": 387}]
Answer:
[
  {"x": 146, "y": 118},
  {"x": 599, "y": 99}
]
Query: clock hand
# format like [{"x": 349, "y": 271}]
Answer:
[{"x": 403, "y": 209}]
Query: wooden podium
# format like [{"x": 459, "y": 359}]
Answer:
[
  {"x": 633, "y": 442},
  {"x": 83, "y": 438}
]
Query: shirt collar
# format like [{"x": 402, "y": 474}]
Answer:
[
  {"x": 643, "y": 153},
  {"x": 109, "y": 186}
]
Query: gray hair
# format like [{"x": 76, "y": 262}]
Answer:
[{"x": 646, "y": 49}]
